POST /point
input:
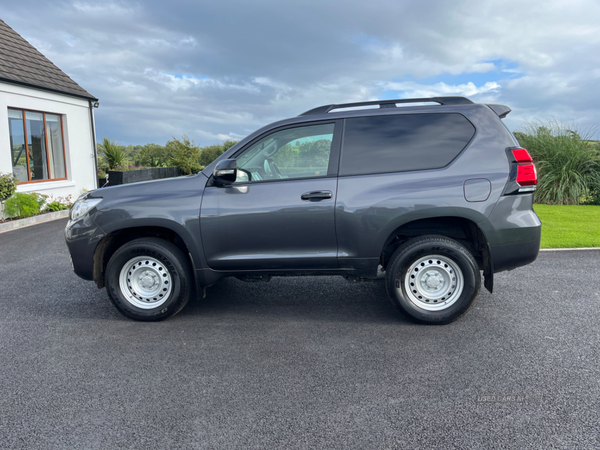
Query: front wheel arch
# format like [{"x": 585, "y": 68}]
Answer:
[{"x": 115, "y": 240}]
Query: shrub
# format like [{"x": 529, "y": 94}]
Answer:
[
  {"x": 185, "y": 155},
  {"x": 593, "y": 198},
  {"x": 131, "y": 167},
  {"x": 112, "y": 153},
  {"x": 23, "y": 205},
  {"x": 8, "y": 186},
  {"x": 59, "y": 203},
  {"x": 568, "y": 170}
]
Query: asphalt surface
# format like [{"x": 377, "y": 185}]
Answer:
[{"x": 295, "y": 363}]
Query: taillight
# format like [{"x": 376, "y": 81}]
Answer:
[
  {"x": 526, "y": 175},
  {"x": 522, "y": 155},
  {"x": 523, "y": 176}
]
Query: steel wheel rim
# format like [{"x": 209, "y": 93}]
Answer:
[
  {"x": 145, "y": 282},
  {"x": 433, "y": 283}
]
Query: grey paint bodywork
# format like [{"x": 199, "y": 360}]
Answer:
[{"x": 265, "y": 228}]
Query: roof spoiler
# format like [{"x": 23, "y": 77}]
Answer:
[
  {"x": 501, "y": 110},
  {"x": 391, "y": 104}
]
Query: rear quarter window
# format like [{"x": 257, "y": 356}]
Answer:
[{"x": 403, "y": 142}]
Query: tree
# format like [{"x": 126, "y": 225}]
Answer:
[
  {"x": 153, "y": 155},
  {"x": 315, "y": 153},
  {"x": 228, "y": 144},
  {"x": 131, "y": 152},
  {"x": 212, "y": 152},
  {"x": 287, "y": 157}
]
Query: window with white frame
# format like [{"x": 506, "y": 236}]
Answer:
[{"x": 37, "y": 145}]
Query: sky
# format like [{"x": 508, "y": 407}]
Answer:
[{"x": 219, "y": 70}]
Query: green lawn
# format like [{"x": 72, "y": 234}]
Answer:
[{"x": 569, "y": 226}]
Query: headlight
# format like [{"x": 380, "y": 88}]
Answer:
[{"x": 82, "y": 206}]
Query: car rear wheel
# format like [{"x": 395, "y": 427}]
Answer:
[
  {"x": 149, "y": 279},
  {"x": 433, "y": 279}
]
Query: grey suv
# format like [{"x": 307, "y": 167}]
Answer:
[{"x": 423, "y": 197}]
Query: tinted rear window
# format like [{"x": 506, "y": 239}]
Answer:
[{"x": 403, "y": 142}]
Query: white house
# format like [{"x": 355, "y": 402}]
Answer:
[{"x": 47, "y": 137}]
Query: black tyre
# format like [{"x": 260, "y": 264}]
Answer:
[
  {"x": 433, "y": 279},
  {"x": 149, "y": 279}
]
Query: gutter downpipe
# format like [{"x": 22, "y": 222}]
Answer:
[{"x": 93, "y": 104}]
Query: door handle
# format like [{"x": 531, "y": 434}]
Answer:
[{"x": 316, "y": 196}]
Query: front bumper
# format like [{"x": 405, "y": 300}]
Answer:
[{"x": 82, "y": 238}]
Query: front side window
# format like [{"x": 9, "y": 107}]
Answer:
[
  {"x": 37, "y": 147},
  {"x": 301, "y": 152}
]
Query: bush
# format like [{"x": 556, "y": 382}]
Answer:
[
  {"x": 8, "y": 186},
  {"x": 568, "y": 169},
  {"x": 128, "y": 167},
  {"x": 185, "y": 155},
  {"x": 23, "y": 205},
  {"x": 593, "y": 198},
  {"x": 59, "y": 203}
]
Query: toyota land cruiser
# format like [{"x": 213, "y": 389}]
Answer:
[{"x": 425, "y": 197}]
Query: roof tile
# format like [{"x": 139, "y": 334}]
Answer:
[{"x": 21, "y": 62}]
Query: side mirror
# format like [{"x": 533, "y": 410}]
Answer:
[{"x": 225, "y": 172}]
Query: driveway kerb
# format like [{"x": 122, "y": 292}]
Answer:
[{"x": 34, "y": 220}]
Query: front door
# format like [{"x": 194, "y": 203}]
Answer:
[{"x": 279, "y": 214}]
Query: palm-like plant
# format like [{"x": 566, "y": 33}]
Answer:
[
  {"x": 567, "y": 166},
  {"x": 112, "y": 152}
]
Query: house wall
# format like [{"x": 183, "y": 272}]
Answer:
[{"x": 79, "y": 151}]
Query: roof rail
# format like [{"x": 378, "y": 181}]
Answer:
[{"x": 390, "y": 104}]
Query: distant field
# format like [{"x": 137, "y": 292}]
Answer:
[{"x": 569, "y": 226}]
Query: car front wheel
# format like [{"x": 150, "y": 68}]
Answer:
[
  {"x": 433, "y": 279},
  {"x": 149, "y": 279}
]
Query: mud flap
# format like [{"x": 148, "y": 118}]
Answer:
[
  {"x": 488, "y": 271},
  {"x": 488, "y": 281}
]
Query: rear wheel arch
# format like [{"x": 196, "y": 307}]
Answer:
[{"x": 463, "y": 230}]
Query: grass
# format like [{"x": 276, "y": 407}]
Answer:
[{"x": 569, "y": 226}]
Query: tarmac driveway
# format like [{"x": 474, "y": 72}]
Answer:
[{"x": 296, "y": 363}]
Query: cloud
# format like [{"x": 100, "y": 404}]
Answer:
[
  {"x": 415, "y": 90},
  {"x": 216, "y": 70}
]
